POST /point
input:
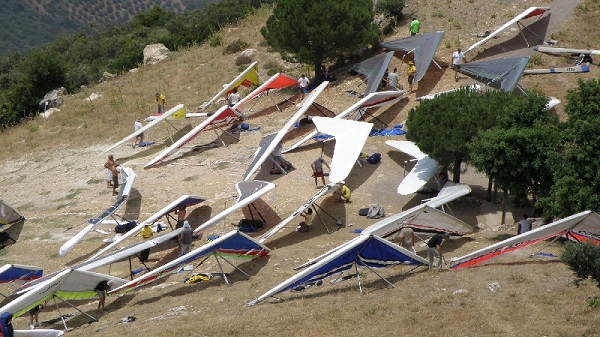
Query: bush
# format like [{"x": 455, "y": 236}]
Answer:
[
  {"x": 584, "y": 260},
  {"x": 271, "y": 64},
  {"x": 235, "y": 47},
  {"x": 215, "y": 40},
  {"x": 243, "y": 59},
  {"x": 390, "y": 7}
]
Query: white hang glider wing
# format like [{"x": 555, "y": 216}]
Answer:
[
  {"x": 530, "y": 12},
  {"x": 128, "y": 179},
  {"x": 182, "y": 201},
  {"x": 246, "y": 78},
  {"x": 584, "y": 226},
  {"x": 558, "y": 51},
  {"x": 580, "y": 68},
  {"x": 372, "y": 100},
  {"x": 178, "y": 109},
  {"x": 248, "y": 191},
  {"x": 425, "y": 168},
  {"x": 265, "y": 150},
  {"x": 350, "y": 138},
  {"x": 473, "y": 87}
]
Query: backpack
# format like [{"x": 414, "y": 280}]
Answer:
[
  {"x": 375, "y": 212},
  {"x": 374, "y": 158}
]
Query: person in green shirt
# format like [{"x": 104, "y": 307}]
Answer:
[{"x": 414, "y": 26}]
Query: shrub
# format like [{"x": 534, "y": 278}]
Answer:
[
  {"x": 270, "y": 64},
  {"x": 390, "y": 7},
  {"x": 584, "y": 260},
  {"x": 235, "y": 47},
  {"x": 243, "y": 59},
  {"x": 215, "y": 40}
]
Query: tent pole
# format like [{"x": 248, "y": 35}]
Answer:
[
  {"x": 257, "y": 211},
  {"x": 74, "y": 307},
  {"x": 277, "y": 165},
  {"x": 231, "y": 264},
  {"x": 381, "y": 277},
  {"x": 321, "y": 208},
  {"x": 358, "y": 277},
  {"x": 218, "y": 136},
  {"x": 322, "y": 222},
  {"x": 59, "y": 314}
]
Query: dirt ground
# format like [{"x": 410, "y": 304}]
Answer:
[{"x": 60, "y": 188}]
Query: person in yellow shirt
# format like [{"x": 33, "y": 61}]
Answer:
[
  {"x": 146, "y": 235},
  {"x": 412, "y": 70},
  {"x": 343, "y": 192},
  {"x": 160, "y": 100}
]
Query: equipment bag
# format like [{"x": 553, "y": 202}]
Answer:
[{"x": 374, "y": 158}]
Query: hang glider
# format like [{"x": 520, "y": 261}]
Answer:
[
  {"x": 364, "y": 251},
  {"x": 247, "y": 78},
  {"x": 372, "y": 100},
  {"x": 429, "y": 220},
  {"x": 11, "y": 224},
  {"x": 128, "y": 179},
  {"x": 530, "y": 12},
  {"x": 269, "y": 142},
  {"x": 183, "y": 201},
  {"x": 69, "y": 284},
  {"x": 584, "y": 226},
  {"x": 276, "y": 82},
  {"x": 581, "y": 68},
  {"x": 39, "y": 333},
  {"x": 178, "y": 109},
  {"x": 177, "y": 116},
  {"x": 373, "y": 69},
  {"x": 473, "y": 87},
  {"x": 248, "y": 192},
  {"x": 422, "y": 45},
  {"x": 425, "y": 168},
  {"x": 559, "y": 51},
  {"x": 19, "y": 272},
  {"x": 350, "y": 138},
  {"x": 225, "y": 115},
  {"x": 503, "y": 74},
  {"x": 232, "y": 244}
]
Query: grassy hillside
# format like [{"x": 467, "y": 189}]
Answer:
[{"x": 31, "y": 23}]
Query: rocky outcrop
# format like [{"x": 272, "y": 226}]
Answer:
[
  {"x": 53, "y": 99},
  {"x": 154, "y": 53}
]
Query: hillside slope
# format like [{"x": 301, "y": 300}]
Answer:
[{"x": 52, "y": 172}]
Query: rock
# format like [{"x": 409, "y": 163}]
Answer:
[
  {"x": 460, "y": 291},
  {"x": 53, "y": 99},
  {"x": 248, "y": 53},
  {"x": 494, "y": 287},
  {"x": 106, "y": 76},
  {"x": 133, "y": 71},
  {"x": 154, "y": 53},
  {"x": 49, "y": 112},
  {"x": 94, "y": 96}
]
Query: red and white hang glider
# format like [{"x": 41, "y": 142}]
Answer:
[{"x": 530, "y": 12}]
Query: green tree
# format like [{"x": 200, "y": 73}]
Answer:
[
  {"x": 584, "y": 260},
  {"x": 318, "y": 31},
  {"x": 576, "y": 166},
  {"x": 390, "y": 7}
]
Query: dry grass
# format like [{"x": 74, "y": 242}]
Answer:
[{"x": 53, "y": 173}]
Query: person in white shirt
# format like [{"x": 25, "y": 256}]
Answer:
[
  {"x": 139, "y": 138},
  {"x": 393, "y": 79},
  {"x": 457, "y": 60},
  {"x": 233, "y": 98},
  {"x": 303, "y": 83}
]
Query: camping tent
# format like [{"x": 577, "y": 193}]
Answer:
[{"x": 501, "y": 73}]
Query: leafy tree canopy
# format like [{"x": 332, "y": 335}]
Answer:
[{"x": 316, "y": 31}]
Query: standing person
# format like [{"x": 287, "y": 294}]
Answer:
[
  {"x": 160, "y": 100},
  {"x": 303, "y": 83},
  {"x": 407, "y": 238},
  {"x": 524, "y": 225},
  {"x": 101, "y": 289},
  {"x": 457, "y": 60},
  {"x": 434, "y": 249},
  {"x": 305, "y": 225},
  {"x": 412, "y": 70},
  {"x": 114, "y": 170},
  {"x": 34, "y": 315},
  {"x": 317, "y": 168},
  {"x": 343, "y": 192},
  {"x": 140, "y": 137},
  {"x": 108, "y": 166},
  {"x": 185, "y": 239},
  {"x": 415, "y": 25},
  {"x": 181, "y": 212},
  {"x": 146, "y": 235},
  {"x": 393, "y": 79},
  {"x": 233, "y": 98}
]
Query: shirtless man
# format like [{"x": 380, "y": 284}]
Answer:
[
  {"x": 109, "y": 163},
  {"x": 115, "y": 178}
]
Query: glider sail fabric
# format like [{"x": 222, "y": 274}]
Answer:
[
  {"x": 586, "y": 224},
  {"x": 350, "y": 137},
  {"x": 232, "y": 243},
  {"x": 277, "y": 81},
  {"x": 425, "y": 168},
  {"x": 11, "y": 224},
  {"x": 247, "y": 78},
  {"x": 175, "y": 110},
  {"x": 248, "y": 191},
  {"x": 372, "y": 100},
  {"x": 128, "y": 179},
  {"x": 558, "y": 51},
  {"x": 69, "y": 284},
  {"x": 19, "y": 272},
  {"x": 374, "y": 69},
  {"x": 392, "y": 224},
  {"x": 423, "y": 46},
  {"x": 530, "y": 12},
  {"x": 503, "y": 74},
  {"x": 267, "y": 146},
  {"x": 183, "y": 201},
  {"x": 365, "y": 250}
]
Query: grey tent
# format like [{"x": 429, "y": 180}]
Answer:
[
  {"x": 423, "y": 46},
  {"x": 374, "y": 69},
  {"x": 501, "y": 74}
]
